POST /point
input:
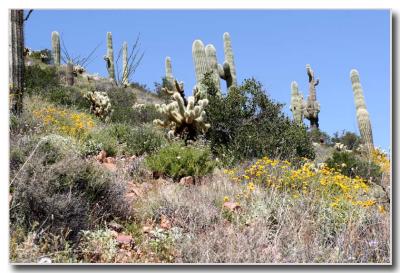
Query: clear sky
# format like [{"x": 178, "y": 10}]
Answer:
[{"x": 271, "y": 45}]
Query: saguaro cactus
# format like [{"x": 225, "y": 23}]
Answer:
[
  {"x": 168, "y": 73},
  {"x": 296, "y": 106},
  {"x": 55, "y": 47},
  {"x": 125, "y": 80},
  {"x": 109, "y": 58},
  {"x": 364, "y": 123},
  {"x": 312, "y": 106},
  {"x": 16, "y": 59},
  {"x": 70, "y": 74},
  {"x": 211, "y": 54},
  {"x": 228, "y": 52},
  {"x": 199, "y": 60}
]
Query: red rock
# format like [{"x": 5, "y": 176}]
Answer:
[
  {"x": 110, "y": 166},
  {"x": 101, "y": 156},
  {"x": 187, "y": 181},
  {"x": 109, "y": 160},
  {"x": 165, "y": 222},
  {"x": 232, "y": 206},
  {"x": 123, "y": 239}
]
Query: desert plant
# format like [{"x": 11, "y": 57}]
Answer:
[
  {"x": 177, "y": 161},
  {"x": 352, "y": 165},
  {"x": 296, "y": 104},
  {"x": 364, "y": 123},
  {"x": 109, "y": 57},
  {"x": 185, "y": 119},
  {"x": 246, "y": 124},
  {"x": 55, "y": 45},
  {"x": 39, "y": 79},
  {"x": 312, "y": 106},
  {"x": 100, "y": 104},
  {"x": 348, "y": 139}
]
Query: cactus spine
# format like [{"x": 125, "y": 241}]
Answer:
[
  {"x": 55, "y": 46},
  {"x": 296, "y": 106},
  {"x": 109, "y": 58},
  {"x": 364, "y": 123},
  {"x": 125, "y": 80},
  {"x": 312, "y": 106}
]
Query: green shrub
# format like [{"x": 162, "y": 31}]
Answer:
[
  {"x": 178, "y": 161},
  {"x": 145, "y": 139},
  {"x": 122, "y": 101},
  {"x": 319, "y": 136},
  {"x": 349, "y": 139},
  {"x": 123, "y": 139},
  {"x": 247, "y": 124},
  {"x": 58, "y": 189},
  {"x": 352, "y": 165},
  {"x": 37, "y": 78}
]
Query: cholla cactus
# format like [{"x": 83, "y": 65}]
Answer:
[
  {"x": 100, "y": 104},
  {"x": 55, "y": 47},
  {"x": 109, "y": 58},
  {"x": 364, "y": 123},
  {"x": 183, "y": 120},
  {"x": 297, "y": 104},
  {"x": 312, "y": 106}
]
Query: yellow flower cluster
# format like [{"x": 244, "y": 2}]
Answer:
[
  {"x": 309, "y": 179},
  {"x": 65, "y": 121},
  {"x": 382, "y": 160}
]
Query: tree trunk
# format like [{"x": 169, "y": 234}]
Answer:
[{"x": 16, "y": 59}]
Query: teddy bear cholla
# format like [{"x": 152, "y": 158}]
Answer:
[{"x": 100, "y": 104}]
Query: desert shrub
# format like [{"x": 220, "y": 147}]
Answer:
[
  {"x": 64, "y": 121},
  {"x": 319, "y": 136},
  {"x": 66, "y": 96},
  {"x": 122, "y": 101},
  {"x": 247, "y": 124},
  {"x": 46, "y": 53},
  {"x": 348, "y": 163},
  {"x": 144, "y": 139},
  {"x": 97, "y": 246},
  {"x": 38, "y": 78},
  {"x": 58, "y": 189},
  {"x": 351, "y": 140},
  {"x": 178, "y": 161}
]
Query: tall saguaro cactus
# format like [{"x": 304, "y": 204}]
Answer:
[
  {"x": 70, "y": 73},
  {"x": 168, "y": 73},
  {"x": 16, "y": 59},
  {"x": 228, "y": 52},
  {"x": 297, "y": 106},
  {"x": 211, "y": 54},
  {"x": 364, "y": 123},
  {"x": 125, "y": 80},
  {"x": 200, "y": 60},
  {"x": 55, "y": 47},
  {"x": 312, "y": 108},
  {"x": 109, "y": 58}
]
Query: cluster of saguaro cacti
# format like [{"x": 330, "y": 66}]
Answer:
[
  {"x": 310, "y": 108},
  {"x": 55, "y": 47},
  {"x": 297, "y": 103},
  {"x": 364, "y": 123},
  {"x": 100, "y": 104},
  {"x": 185, "y": 120},
  {"x": 109, "y": 58},
  {"x": 205, "y": 60}
]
